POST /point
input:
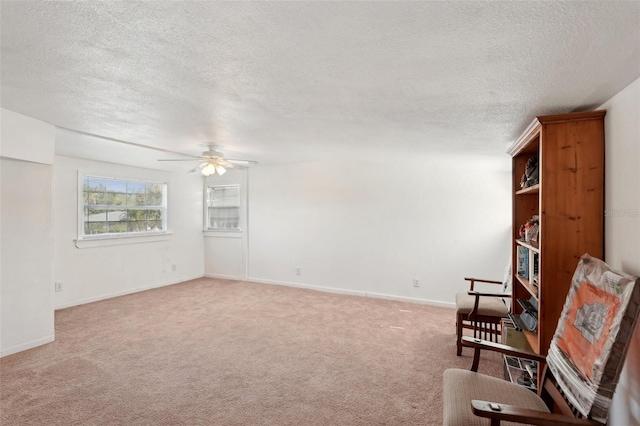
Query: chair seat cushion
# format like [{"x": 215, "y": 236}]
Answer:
[
  {"x": 489, "y": 306},
  {"x": 463, "y": 386}
]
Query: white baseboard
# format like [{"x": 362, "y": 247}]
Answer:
[
  {"x": 262, "y": 281},
  {"x": 28, "y": 345},
  {"x": 121, "y": 293},
  {"x": 356, "y": 293},
  {"x": 413, "y": 300},
  {"x": 225, "y": 277}
]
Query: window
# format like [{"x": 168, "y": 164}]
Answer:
[
  {"x": 223, "y": 207},
  {"x": 114, "y": 207}
]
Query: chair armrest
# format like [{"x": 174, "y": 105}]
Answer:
[
  {"x": 478, "y": 293},
  {"x": 483, "y": 281},
  {"x": 474, "y": 280},
  {"x": 478, "y": 345},
  {"x": 476, "y": 302},
  {"x": 512, "y": 413}
]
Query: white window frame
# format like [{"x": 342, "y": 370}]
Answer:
[
  {"x": 87, "y": 240},
  {"x": 207, "y": 221}
]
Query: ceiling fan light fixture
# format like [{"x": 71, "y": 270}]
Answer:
[
  {"x": 212, "y": 162},
  {"x": 209, "y": 169},
  {"x": 221, "y": 170}
]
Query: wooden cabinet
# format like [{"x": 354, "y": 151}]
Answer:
[{"x": 569, "y": 201}]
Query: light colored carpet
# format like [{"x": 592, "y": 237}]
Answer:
[{"x": 215, "y": 352}]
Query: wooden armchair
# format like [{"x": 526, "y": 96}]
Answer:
[
  {"x": 481, "y": 311},
  {"x": 582, "y": 367},
  {"x": 469, "y": 396}
]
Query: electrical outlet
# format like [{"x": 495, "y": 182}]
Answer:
[
  {"x": 298, "y": 271},
  {"x": 59, "y": 286},
  {"x": 174, "y": 267},
  {"x": 416, "y": 282}
]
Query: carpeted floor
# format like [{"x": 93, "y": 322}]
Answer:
[{"x": 215, "y": 352}]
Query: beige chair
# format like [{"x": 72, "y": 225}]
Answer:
[
  {"x": 481, "y": 311},
  {"x": 582, "y": 367}
]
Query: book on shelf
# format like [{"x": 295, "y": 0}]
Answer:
[
  {"x": 523, "y": 262},
  {"x": 530, "y": 305},
  {"x": 533, "y": 271}
]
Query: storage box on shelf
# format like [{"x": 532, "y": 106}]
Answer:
[{"x": 567, "y": 196}]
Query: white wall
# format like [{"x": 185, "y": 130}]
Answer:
[
  {"x": 371, "y": 227},
  {"x": 26, "y": 229},
  {"x": 38, "y": 226},
  {"x": 622, "y": 225},
  {"x": 94, "y": 273},
  {"x": 24, "y": 138},
  {"x": 622, "y": 180}
]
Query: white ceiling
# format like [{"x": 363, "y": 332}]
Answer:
[{"x": 306, "y": 81}]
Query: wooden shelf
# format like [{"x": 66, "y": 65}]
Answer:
[
  {"x": 533, "y": 291},
  {"x": 531, "y": 245},
  {"x": 533, "y": 189},
  {"x": 532, "y": 340}
]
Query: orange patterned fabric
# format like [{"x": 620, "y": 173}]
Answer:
[{"x": 590, "y": 315}]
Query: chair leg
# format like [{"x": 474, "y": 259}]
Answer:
[{"x": 459, "y": 334}]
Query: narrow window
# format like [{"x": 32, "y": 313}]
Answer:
[{"x": 223, "y": 207}]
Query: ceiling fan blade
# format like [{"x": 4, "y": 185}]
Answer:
[
  {"x": 215, "y": 159},
  {"x": 241, "y": 161},
  {"x": 236, "y": 166},
  {"x": 191, "y": 159}
]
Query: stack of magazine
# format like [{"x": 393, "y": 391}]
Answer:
[
  {"x": 528, "y": 319},
  {"x": 522, "y": 371},
  {"x": 518, "y": 370}
]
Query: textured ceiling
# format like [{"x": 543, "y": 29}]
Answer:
[{"x": 305, "y": 81}]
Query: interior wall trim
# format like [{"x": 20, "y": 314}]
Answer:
[
  {"x": 356, "y": 293},
  {"x": 28, "y": 345},
  {"x": 122, "y": 293},
  {"x": 226, "y": 277}
]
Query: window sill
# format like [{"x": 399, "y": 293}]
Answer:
[
  {"x": 221, "y": 233},
  {"x": 82, "y": 243}
]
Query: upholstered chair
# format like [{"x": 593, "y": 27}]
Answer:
[
  {"x": 580, "y": 371},
  {"x": 481, "y": 311}
]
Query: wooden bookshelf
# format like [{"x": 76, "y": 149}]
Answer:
[{"x": 569, "y": 200}]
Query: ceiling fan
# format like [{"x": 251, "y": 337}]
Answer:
[{"x": 212, "y": 161}]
